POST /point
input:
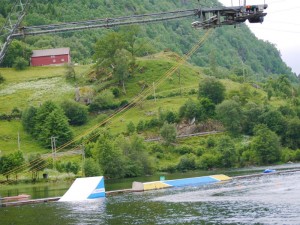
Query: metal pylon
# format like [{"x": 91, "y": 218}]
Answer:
[{"x": 12, "y": 23}]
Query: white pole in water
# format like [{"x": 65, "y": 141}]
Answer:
[{"x": 245, "y": 3}]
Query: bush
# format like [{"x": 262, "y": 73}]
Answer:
[
  {"x": 208, "y": 161},
  {"x": 103, "y": 101},
  {"x": 76, "y": 113},
  {"x": 20, "y": 63},
  {"x": 140, "y": 127},
  {"x": 130, "y": 127},
  {"x": 91, "y": 168},
  {"x": 182, "y": 150},
  {"x": 116, "y": 92},
  {"x": 187, "y": 162},
  {"x": 2, "y": 79}
]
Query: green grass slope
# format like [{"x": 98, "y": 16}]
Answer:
[{"x": 36, "y": 85}]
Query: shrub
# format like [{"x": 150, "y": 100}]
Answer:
[
  {"x": 20, "y": 63},
  {"x": 2, "y": 79},
  {"x": 182, "y": 150},
  {"x": 116, "y": 92},
  {"x": 76, "y": 113},
  {"x": 187, "y": 162}
]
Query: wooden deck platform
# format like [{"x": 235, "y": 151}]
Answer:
[{"x": 29, "y": 202}]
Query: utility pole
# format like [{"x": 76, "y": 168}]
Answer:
[
  {"x": 83, "y": 160},
  {"x": 53, "y": 146},
  {"x": 154, "y": 92},
  {"x": 19, "y": 142},
  {"x": 179, "y": 76}
]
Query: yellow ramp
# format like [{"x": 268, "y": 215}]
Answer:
[
  {"x": 155, "y": 185},
  {"x": 221, "y": 177}
]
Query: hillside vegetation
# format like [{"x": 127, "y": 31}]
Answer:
[{"x": 140, "y": 88}]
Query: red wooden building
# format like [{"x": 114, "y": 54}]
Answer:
[{"x": 57, "y": 56}]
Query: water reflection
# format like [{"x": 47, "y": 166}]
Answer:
[{"x": 270, "y": 199}]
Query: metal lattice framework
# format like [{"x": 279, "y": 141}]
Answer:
[
  {"x": 12, "y": 24},
  {"x": 208, "y": 18}
]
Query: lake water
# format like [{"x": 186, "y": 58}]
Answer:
[{"x": 268, "y": 199}]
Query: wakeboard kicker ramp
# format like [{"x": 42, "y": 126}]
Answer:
[{"x": 85, "y": 189}]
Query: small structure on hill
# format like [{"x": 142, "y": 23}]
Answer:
[{"x": 46, "y": 57}]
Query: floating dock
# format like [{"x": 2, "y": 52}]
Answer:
[{"x": 195, "y": 181}]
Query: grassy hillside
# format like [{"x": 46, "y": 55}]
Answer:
[{"x": 36, "y": 85}]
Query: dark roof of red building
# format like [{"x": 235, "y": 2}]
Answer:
[{"x": 50, "y": 52}]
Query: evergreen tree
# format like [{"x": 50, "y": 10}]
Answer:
[
  {"x": 29, "y": 119},
  {"x": 56, "y": 125}
]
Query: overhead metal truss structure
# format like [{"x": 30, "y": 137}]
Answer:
[{"x": 208, "y": 18}]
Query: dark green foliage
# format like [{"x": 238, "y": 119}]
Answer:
[
  {"x": 91, "y": 168},
  {"x": 103, "y": 101},
  {"x": 280, "y": 86},
  {"x": 252, "y": 113},
  {"x": 76, "y": 112},
  {"x": 297, "y": 155},
  {"x": 266, "y": 145},
  {"x": 18, "y": 55},
  {"x": 274, "y": 120},
  {"x": 189, "y": 110},
  {"x": 111, "y": 160},
  {"x": 231, "y": 115},
  {"x": 68, "y": 167},
  {"x": 207, "y": 109},
  {"x": 168, "y": 133},
  {"x": 168, "y": 116},
  {"x": 227, "y": 149},
  {"x": 184, "y": 149},
  {"x": 16, "y": 113},
  {"x": 20, "y": 63},
  {"x": 36, "y": 164},
  {"x": 11, "y": 164},
  {"x": 187, "y": 162},
  {"x": 116, "y": 92},
  {"x": 212, "y": 89},
  {"x": 208, "y": 161},
  {"x": 138, "y": 162},
  {"x": 140, "y": 127},
  {"x": 291, "y": 137},
  {"x": 2, "y": 79},
  {"x": 55, "y": 125},
  {"x": 200, "y": 110},
  {"x": 45, "y": 122},
  {"x": 130, "y": 128},
  {"x": 106, "y": 48}
]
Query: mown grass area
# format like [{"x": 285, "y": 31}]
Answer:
[{"x": 34, "y": 86}]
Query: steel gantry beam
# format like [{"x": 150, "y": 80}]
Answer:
[
  {"x": 208, "y": 18},
  {"x": 104, "y": 23}
]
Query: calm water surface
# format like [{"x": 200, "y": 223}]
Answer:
[{"x": 269, "y": 199}]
